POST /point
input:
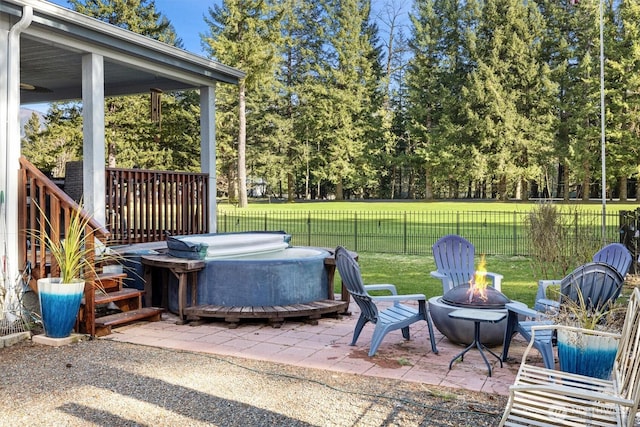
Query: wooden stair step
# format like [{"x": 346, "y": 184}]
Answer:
[
  {"x": 148, "y": 313},
  {"x": 124, "y": 294},
  {"x": 110, "y": 281}
]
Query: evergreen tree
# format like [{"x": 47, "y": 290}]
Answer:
[
  {"x": 623, "y": 95},
  {"x": 138, "y": 16},
  {"x": 345, "y": 96},
  {"x": 245, "y": 33},
  {"x": 58, "y": 143},
  {"x": 442, "y": 43},
  {"x": 584, "y": 96},
  {"x": 289, "y": 158},
  {"x": 305, "y": 68},
  {"x": 508, "y": 94},
  {"x": 391, "y": 129}
]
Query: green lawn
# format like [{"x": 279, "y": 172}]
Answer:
[
  {"x": 416, "y": 206},
  {"x": 410, "y": 273}
]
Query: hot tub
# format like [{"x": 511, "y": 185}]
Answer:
[{"x": 251, "y": 269}]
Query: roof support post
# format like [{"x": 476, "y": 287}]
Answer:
[
  {"x": 93, "y": 148},
  {"x": 10, "y": 141},
  {"x": 208, "y": 148}
]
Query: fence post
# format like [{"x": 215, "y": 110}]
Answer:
[
  {"x": 575, "y": 232},
  {"x": 404, "y": 237},
  {"x": 515, "y": 233},
  {"x": 458, "y": 223},
  {"x": 355, "y": 231},
  {"x": 309, "y": 228}
]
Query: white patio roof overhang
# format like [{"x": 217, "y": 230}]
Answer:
[{"x": 62, "y": 55}]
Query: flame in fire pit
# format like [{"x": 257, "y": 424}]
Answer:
[{"x": 478, "y": 285}]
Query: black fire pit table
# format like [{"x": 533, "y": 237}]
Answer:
[{"x": 477, "y": 317}]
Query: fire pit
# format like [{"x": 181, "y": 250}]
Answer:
[{"x": 476, "y": 295}]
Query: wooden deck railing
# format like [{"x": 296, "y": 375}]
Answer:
[
  {"x": 147, "y": 205},
  {"x": 37, "y": 189}
]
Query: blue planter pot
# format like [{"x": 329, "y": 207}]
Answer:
[
  {"x": 588, "y": 355},
  {"x": 59, "y": 305}
]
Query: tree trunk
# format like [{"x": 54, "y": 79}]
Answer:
[
  {"x": 623, "y": 189},
  {"x": 502, "y": 188},
  {"x": 428, "y": 187},
  {"x": 290, "y": 187},
  {"x": 339, "y": 191},
  {"x": 242, "y": 147},
  {"x": 232, "y": 190},
  {"x": 586, "y": 189},
  {"x": 393, "y": 182},
  {"x": 565, "y": 182}
]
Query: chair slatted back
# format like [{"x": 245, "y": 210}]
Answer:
[
  {"x": 598, "y": 283},
  {"x": 626, "y": 368},
  {"x": 351, "y": 278},
  {"x": 616, "y": 255},
  {"x": 454, "y": 256}
]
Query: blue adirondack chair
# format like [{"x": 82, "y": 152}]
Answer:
[
  {"x": 615, "y": 255},
  {"x": 455, "y": 263},
  {"x": 397, "y": 316},
  {"x": 599, "y": 284}
]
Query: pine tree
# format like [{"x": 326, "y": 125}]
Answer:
[
  {"x": 623, "y": 95},
  {"x": 583, "y": 95},
  {"x": 442, "y": 44},
  {"x": 305, "y": 69},
  {"x": 342, "y": 102},
  {"x": 59, "y": 142},
  {"x": 245, "y": 33},
  {"x": 391, "y": 128},
  {"x": 138, "y": 16},
  {"x": 508, "y": 95}
]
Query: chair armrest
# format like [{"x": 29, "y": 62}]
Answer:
[
  {"x": 545, "y": 305},
  {"x": 542, "y": 302},
  {"x": 398, "y": 298},
  {"x": 524, "y": 311},
  {"x": 496, "y": 279},
  {"x": 381, "y": 287},
  {"x": 581, "y": 393},
  {"x": 542, "y": 288},
  {"x": 447, "y": 284},
  {"x": 438, "y": 275}
]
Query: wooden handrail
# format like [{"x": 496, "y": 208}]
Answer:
[
  {"x": 37, "y": 190},
  {"x": 147, "y": 205}
]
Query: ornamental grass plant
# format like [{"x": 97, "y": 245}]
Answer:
[{"x": 74, "y": 254}]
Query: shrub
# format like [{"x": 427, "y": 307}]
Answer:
[{"x": 558, "y": 242}]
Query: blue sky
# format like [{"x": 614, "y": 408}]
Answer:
[{"x": 187, "y": 17}]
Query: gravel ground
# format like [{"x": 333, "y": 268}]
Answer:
[{"x": 105, "y": 383}]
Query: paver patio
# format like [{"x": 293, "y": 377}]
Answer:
[{"x": 325, "y": 345}]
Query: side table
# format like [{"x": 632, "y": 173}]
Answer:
[
  {"x": 183, "y": 269},
  {"x": 477, "y": 316}
]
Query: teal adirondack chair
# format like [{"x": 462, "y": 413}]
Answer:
[
  {"x": 397, "y": 316},
  {"x": 455, "y": 263}
]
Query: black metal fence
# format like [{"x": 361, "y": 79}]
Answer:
[{"x": 492, "y": 233}]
